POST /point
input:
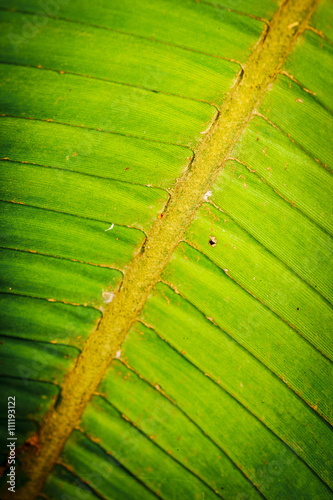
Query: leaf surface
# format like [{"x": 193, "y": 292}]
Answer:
[{"x": 166, "y": 245}]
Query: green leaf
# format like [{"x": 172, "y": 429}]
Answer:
[{"x": 166, "y": 238}]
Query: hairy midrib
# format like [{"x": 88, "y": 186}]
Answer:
[{"x": 145, "y": 269}]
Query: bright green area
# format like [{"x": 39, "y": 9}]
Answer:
[
  {"x": 160, "y": 68},
  {"x": 110, "y": 107},
  {"x": 258, "y": 271},
  {"x": 62, "y": 484},
  {"x": 32, "y": 399},
  {"x": 110, "y": 156},
  {"x": 36, "y": 319},
  {"x": 254, "y": 326},
  {"x": 186, "y": 329},
  {"x": 81, "y": 195},
  {"x": 154, "y": 467},
  {"x": 35, "y": 361},
  {"x": 170, "y": 429},
  {"x": 226, "y": 34},
  {"x": 55, "y": 279},
  {"x": 101, "y": 471},
  {"x": 322, "y": 18},
  {"x": 28, "y": 228},
  {"x": 300, "y": 116},
  {"x": 286, "y": 232},
  {"x": 229, "y": 424},
  {"x": 293, "y": 174},
  {"x": 311, "y": 63}
]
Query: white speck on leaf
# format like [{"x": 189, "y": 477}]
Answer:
[
  {"x": 207, "y": 195},
  {"x": 107, "y": 296},
  {"x": 118, "y": 354},
  {"x": 109, "y": 227}
]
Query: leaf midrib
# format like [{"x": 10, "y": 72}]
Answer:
[{"x": 143, "y": 272}]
